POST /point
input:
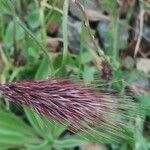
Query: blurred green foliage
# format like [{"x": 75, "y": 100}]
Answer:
[{"x": 25, "y": 55}]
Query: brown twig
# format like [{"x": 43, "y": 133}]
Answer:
[
  {"x": 100, "y": 51},
  {"x": 142, "y": 12}
]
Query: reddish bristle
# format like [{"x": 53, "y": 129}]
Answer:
[{"x": 67, "y": 102}]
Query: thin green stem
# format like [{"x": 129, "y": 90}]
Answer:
[
  {"x": 65, "y": 31},
  {"x": 37, "y": 42},
  {"x": 42, "y": 19}
]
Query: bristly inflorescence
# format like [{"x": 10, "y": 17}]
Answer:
[{"x": 79, "y": 106}]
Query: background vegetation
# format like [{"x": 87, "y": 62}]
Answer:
[{"x": 39, "y": 39}]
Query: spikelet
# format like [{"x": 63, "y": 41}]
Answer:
[{"x": 78, "y": 106}]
